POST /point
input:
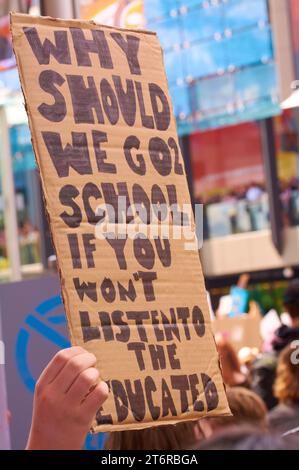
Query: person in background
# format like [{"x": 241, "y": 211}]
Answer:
[
  {"x": 292, "y": 208},
  {"x": 285, "y": 334},
  {"x": 285, "y": 416},
  {"x": 29, "y": 243},
  {"x": 230, "y": 365},
  {"x": 254, "y": 200},
  {"x": 246, "y": 407},
  {"x": 179, "y": 436},
  {"x": 231, "y": 201},
  {"x": 263, "y": 371},
  {"x": 248, "y": 438},
  {"x": 247, "y": 356}
]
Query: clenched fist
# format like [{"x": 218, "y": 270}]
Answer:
[{"x": 66, "y": 399}]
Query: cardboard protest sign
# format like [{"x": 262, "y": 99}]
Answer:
[
  {"x": 241, "y": 331},
  {"x": 114, "y": 183}
]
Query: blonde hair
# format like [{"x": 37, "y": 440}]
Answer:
[
  {"x": 230, "y": 365},
  {"x": 286, "y": 386},
  {"x": 246, "y": 407},
  {"x": 169, "y": 437}
]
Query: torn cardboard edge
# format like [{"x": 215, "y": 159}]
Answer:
[
  {"x": 152, "y": 424},
  {"x": 22, "y": 18},
  {"x": 18, "y": 18}
]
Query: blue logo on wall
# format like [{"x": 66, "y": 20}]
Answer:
[
  {"x": 41, "y": 322},
  {"x": 47, "y": 317}
]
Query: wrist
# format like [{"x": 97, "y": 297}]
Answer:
[{"x": 57, "y": 440}]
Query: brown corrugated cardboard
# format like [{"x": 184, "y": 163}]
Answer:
[
  {"x": 242, "y": 330},
  {"x": 102, "y": 125}
]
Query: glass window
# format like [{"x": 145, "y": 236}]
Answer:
[
  {"x": 26, "y": 188},
  {"x": 202, "y": 24},
  {"x": 205, "y": 59},
  {"x": 181, "y": 105},
  {"x": 256, "y": 83},
  {"x": 229, "y": 179},
  {"x": 256, "y": 47},
  {"x": 158, "y": 8},
  {"x": 192, "y": 3},
  {"x": 215, "y": 94},
  {"x": 169, "y": 32},
  {"x": 209, "y": 42},
  {"x": 174, "y": 67},
  {"x": 239, "y": 15}
]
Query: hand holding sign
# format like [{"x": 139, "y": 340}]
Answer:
[
  {"x": 67, "y": 396},
  {"x": 117, "y": 197}
]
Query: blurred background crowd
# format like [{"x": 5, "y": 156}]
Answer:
[{"x": 262, "y": 382}]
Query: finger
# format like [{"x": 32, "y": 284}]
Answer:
[
  {"x": 95, "y": 400},
  {"x": 82, "y": 386},
  {"x": 72, "y": 369},
  {"x": 57, "y": 364}
]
